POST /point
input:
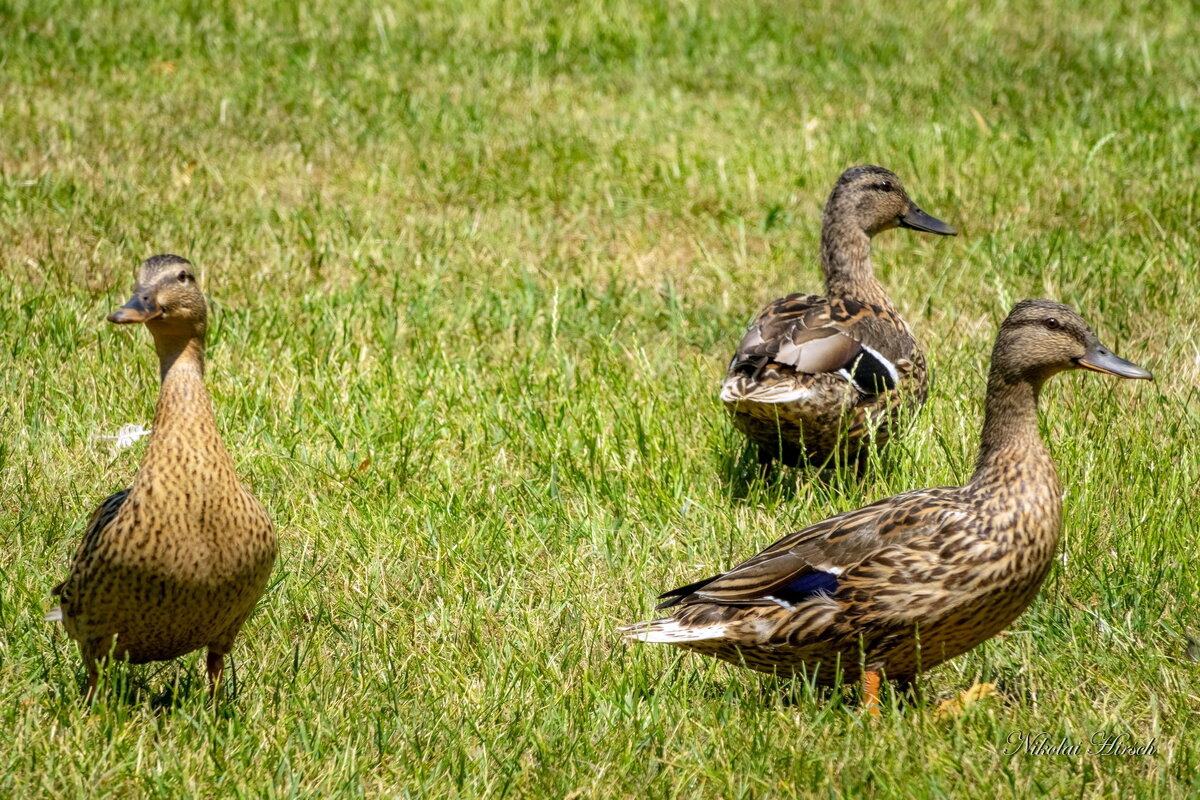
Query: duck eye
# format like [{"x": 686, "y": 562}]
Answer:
[
  {"x": 183, "y": 277},
  {"x": 884, "y": 186},
  {"x": 1052, "y": 324}
]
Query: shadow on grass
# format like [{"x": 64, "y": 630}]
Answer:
[
  {"x": 819, "y": 700},
  {"x": 750, "y": 476},
  {"x": 712, "y": 680},
  {"x": 124, "y": 686}
]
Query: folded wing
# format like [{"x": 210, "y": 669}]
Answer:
[
  {"x": 812, "y": 561},
  {"x": 801, "y": 335}
]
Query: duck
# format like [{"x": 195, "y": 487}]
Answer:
[
  {"x": 178, "y": 560},
  {"x": 906, "y": 583},
  {"x": 818, "y": 377}
]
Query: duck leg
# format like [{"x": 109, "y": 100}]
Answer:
[
  {"x": 766, "y": 463},
  {"x": 215, "y": 664},
  {"x": 93, "y": 678},
  {"x": 871, "y": 681},
  {"x": 860, "y": 462},
  {"x": 95, "y": 652}
]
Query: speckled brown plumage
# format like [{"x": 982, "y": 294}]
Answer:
[
  {"x": 177, "y": 561},
  {"x": 814, "y": 372},
  {"x": 910, "y": 581}
]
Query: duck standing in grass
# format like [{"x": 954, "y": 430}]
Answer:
[
  {"x": 177, "y": 561},
  {"x": 916, "y": 579},
  {"x": 814, "y": 371}
]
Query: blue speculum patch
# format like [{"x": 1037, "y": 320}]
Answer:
[{"x": 806, "y": 586}]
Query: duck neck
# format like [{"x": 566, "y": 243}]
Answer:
[
  {"x": 183, "y": 419},
  {"x": 1011, "y": 447},
  {"x": 846, "y": 262},
  {"x": 180, "y": 357}
]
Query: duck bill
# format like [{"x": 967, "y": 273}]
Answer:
[
  {"x": 141, "y": 308},
  {"x": 918, "y": 220},
  {"x": 1099, "y": 358}
]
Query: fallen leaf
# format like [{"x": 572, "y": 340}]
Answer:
[
  {"x": 980, "y": 121},
  {"x": 955, "y": 706},
  {"x": 182, "y": 175}
]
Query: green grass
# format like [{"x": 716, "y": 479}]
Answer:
[{"x": 476, "y": 269}]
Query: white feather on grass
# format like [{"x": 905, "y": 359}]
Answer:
[{"x": 126, "y": 436}]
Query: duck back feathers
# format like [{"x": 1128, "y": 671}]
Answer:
[
  {"x": 812, "y": 372},
  {"x": 816, "y": 375}
]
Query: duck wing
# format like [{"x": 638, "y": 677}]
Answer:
[
  {"x": 801, "y": 335},
  {"x": 100, "y": 520},
  {"x": 812, "y": 560}
]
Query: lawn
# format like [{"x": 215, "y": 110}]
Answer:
[{"x": 475, "y": 270}]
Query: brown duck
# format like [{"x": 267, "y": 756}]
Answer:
[
  {"x": 177, "y": 561},
  {"x": 912, "y": 580},
  {"x": 814, "y": 371}
]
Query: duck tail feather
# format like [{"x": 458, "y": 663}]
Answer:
[{"x": 671, "y": 631}]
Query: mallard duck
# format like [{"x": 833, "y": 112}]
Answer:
[
  {"x": 814, "y": 371},
  {"x": 908, "y": 582},
  {"x": 177, "y": 561}
]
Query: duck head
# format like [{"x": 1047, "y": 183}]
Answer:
[
  {"x": 166, "y": 299},
  {"x": 1040, "y": 338},
  {"x": 873, "y": 199}
]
